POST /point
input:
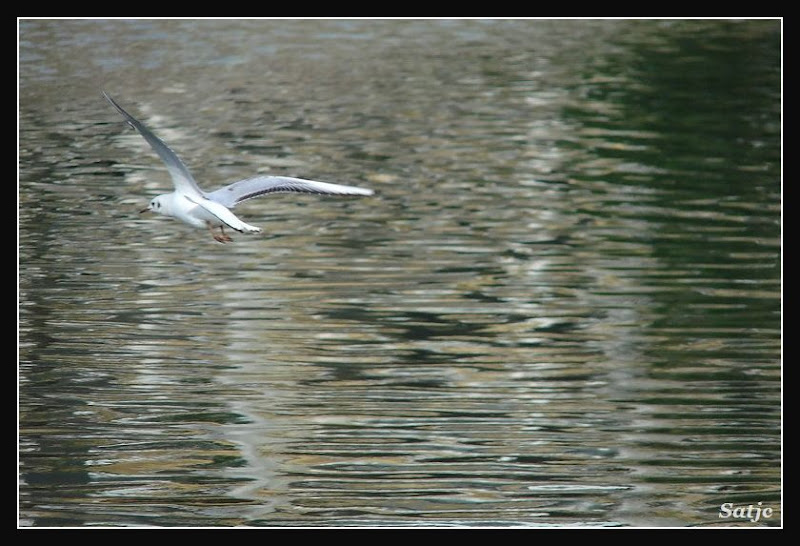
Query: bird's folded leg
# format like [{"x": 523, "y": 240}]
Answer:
[{"x": 221, "y": 236}]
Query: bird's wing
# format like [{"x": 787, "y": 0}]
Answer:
[
  {"x": 184, "y": 183},
  {"x": 223, "y": 214},
  {"x": 242, "y": 190}
]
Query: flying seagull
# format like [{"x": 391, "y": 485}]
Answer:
[{"x": 211, "y": 210}]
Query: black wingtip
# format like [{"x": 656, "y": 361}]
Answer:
[
  {"x": 128, "y": 118},
  {"x": 109, "y": 99}
]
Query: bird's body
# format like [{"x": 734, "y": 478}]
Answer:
[
  {"x": 200, "y": 213},
  {"x": 211, "y": 210}
]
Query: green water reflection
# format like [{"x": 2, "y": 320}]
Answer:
[{"x": 561, "y": 308}]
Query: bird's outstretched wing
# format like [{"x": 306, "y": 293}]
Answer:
[
  {"x": 184, "y": 183},
  {"x": 242, "y": 190}
]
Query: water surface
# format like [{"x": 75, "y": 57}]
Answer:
[{"x": 562, "y": 307}]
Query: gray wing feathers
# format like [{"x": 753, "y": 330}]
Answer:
[
  {"x": 180, "y": 174},
  {"x": 229, "y": 196},
  {"x": 242, "y": 190}
]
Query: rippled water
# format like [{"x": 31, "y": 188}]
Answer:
[{"x": 563, "y": 307}]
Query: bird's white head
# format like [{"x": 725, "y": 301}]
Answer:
[{"x": 158, "y": 204}]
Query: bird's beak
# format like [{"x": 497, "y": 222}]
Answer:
[{"x": 144, "y": 210}]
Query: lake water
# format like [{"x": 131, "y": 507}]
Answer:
[{"x": 561, "y": 308}]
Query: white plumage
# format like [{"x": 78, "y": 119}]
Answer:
[{"x": 197, "y": 208}]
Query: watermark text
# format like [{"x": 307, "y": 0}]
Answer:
[{"x": 752, "y": 512}]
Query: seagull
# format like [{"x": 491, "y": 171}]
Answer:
[{"x": 211, "y": 210}]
